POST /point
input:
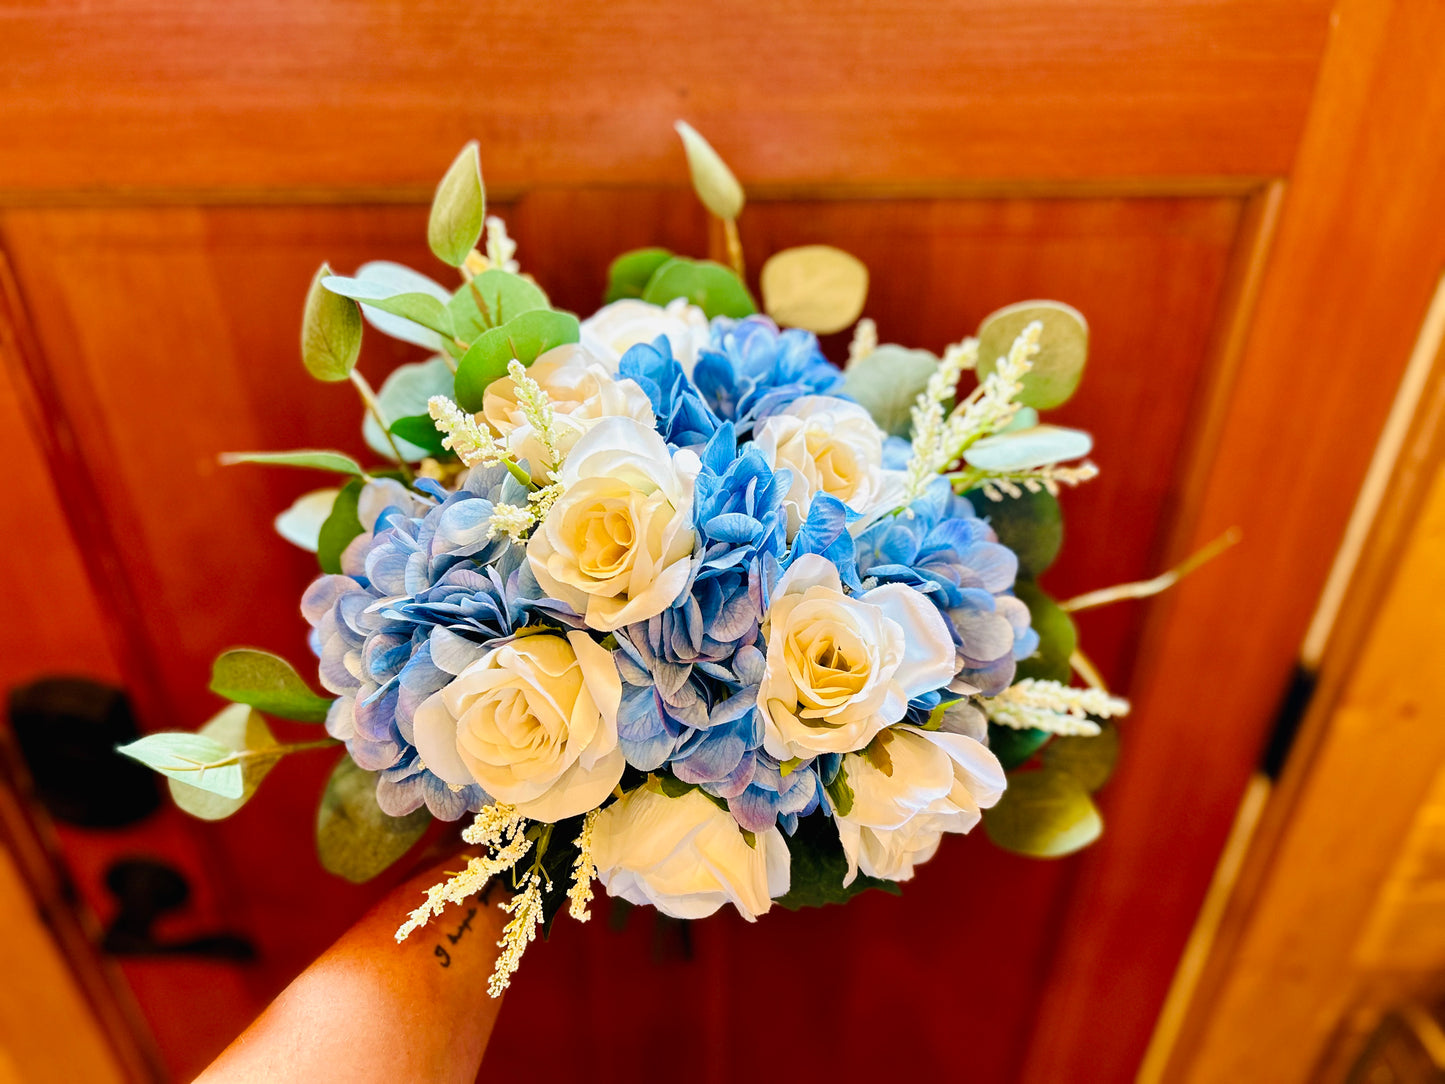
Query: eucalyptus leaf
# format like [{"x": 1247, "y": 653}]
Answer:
[
  {"x": 341, "y": 526},
  {"x": 1057, "y": 636},
  {"x": 713, "y": 182},
  {"x": 1031, "y": 524},
  {"x": 815, "y": 287},
  {"x": 1063, "y": 348},
  {"x": 400, "y": 279},
  {"x": 301, "y": 523},
  {"x": 708, "y": 285},
  {"x": 196, "y": 759},
  {"x": 354, "y": 838},
  {"x": 887, "y": 382},
  {"x": 330, "y": 331},
  {"x": 1029, "y": 448},
  {"x": 314, "y": 459},
  {"x": 490, "y": 300},
  {"x": 522, "y": 338},
  {"x": 267, "y": 682},
  {"x": 628, "y": 274},
  {"x": 404, "y": 394},
  {"x": 1090, "y": 760},
  {"x": 423, "y": 309},
  {"x": 818, "y": 866},
  {"x": 458, "y": 209},
  {"x": 242, "y": 730},
  {"x": 1014, "y": 747},
  {"x": 419, "y": 431},
  {"x": 1043, "y": 814}
]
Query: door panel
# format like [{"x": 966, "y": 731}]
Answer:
[
  {"x": 174, "y": 172},
  {"x": 190, "y": 351}
]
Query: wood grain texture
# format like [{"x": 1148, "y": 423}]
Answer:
[
  {"x": 1345, "y": 291},
  {"x": 191, "y": 351},
  {"x": 117, "y": 95}
]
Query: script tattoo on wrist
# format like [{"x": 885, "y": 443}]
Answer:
[{"x": 440, "y": 952}]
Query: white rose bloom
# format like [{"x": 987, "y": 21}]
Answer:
[
  {"x": 616, "y": 545},
  {"x": 841, "y": 668},
  {"x": 831, "y": 446},
  {"x": 533, "y": 722},
  {"x": 686, "y": 857},
  {"x": 908, "y": 790},
  {"x": 616, "y": 328},
  {"x": 582, "y": 391}
]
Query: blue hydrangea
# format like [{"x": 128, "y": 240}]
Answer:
[
  {"x": 772, "y": 798},
  {"x": 945, "y": 550},
  {"x": 683, "y": 418},
  {"x": 752, "y": 370},
  {"x": 418, "y": 599},
  {"x": 690, "y": 674}
]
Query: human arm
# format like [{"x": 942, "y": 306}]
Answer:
[{"x": 371, "y": 1010}]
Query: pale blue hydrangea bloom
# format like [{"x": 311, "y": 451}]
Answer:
[
  {"x": 419, "y": 598},
  {"x": 752, "y": 370}
]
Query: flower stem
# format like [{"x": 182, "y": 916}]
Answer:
[
  {"x": 734, "y": 245},
  {"x": 369, "y": 398}
]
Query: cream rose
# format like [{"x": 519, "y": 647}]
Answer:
[
  {"x": 686, "y": 857},
  {"x": 533, "y": 722},
  {"x": 616, "y": 328},
  {"x": 909, "y": 788},
  {"x": 616, "y": 544},
  {"x": 841, "y": 668},
  {"x": 830, "y": 446},
  {"x": 582, "y": 391}
]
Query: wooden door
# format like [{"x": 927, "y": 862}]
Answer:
[{"x": 1234, "y": 193}]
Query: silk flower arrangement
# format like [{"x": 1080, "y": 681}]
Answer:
[{"x": 662, "y": 598}]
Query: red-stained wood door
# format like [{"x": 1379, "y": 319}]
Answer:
[{"x": 1232, "y": 192}]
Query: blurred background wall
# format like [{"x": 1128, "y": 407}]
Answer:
[{"x": 1245, "y": 199}]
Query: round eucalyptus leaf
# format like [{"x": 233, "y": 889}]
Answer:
[
  {"x": 815, "y": 287},
  {"x": 1090, "y": 760},
  {"x": 1063, "y": 348},
  {"x": 628, "y": 274},
  {"x": 1028, "y": 448},
  {"x": 713, "y": 182},
  {"x": 887, "y": 382},
  {"x": 1043, "y": 814},
  {"x": 354, "y": 838},
  {"x": 197, "y": 759},
  {"x": 710, "y": 286},
  {"x": 524, "y": 339},
  {"x": 490, "y": 300},
  {"x": 248, "y": 675},
  {"x": 1057, "y": 636},
  {"x": 1031, "y": 524},
  {"x": 1013, "y": 747}
]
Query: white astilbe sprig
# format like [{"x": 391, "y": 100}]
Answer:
[
  {"x": 1053, "y": 707},
  {"x": 1049, "y": 478},
  {"x": 931, "y": 430},
  {"x": 474, "y": 446},
  {"x": 994, "y": 403},
  {"x": 526, "y": 911},
  {"x": 501, "y": 249},
  {"x": 500, "y": 829},
  {"x": 537, "y": 410},
  {"x": 583, "y": 870},
  {"x": 865, "y": 340}
]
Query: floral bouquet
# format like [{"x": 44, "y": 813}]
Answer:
[{"x": 662, "y": 597}]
